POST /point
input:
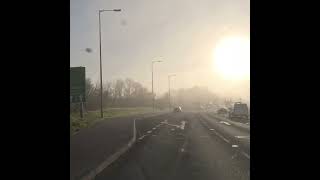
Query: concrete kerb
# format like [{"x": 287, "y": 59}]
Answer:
[
  {"x": 93, "y": 173},
  {"x": 233, "y": 123},
  {"x": 229, "y": 141}
]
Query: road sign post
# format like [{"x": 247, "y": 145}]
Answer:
[
  {"x": 78, "y": 87},
  {"x": 81, "y": 108}
]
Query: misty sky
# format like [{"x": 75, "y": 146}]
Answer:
[{"x": 182, "y": 33}]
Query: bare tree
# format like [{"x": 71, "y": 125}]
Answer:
[
  {"x": 120, "y": 93},
  {"x": 119, "y": 87},
  {"x": 128, "y": 87}
]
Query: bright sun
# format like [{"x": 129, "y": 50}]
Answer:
[{"x": 231, "y": 58}]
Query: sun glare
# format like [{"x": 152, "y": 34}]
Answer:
[{"x": 231, "y": 58}]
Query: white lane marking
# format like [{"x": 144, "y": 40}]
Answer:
[
  {"x": 134, "y": 130},
  {"x": 245, "y": 154},
  {"x": 242, "y": 137},
  {"x": 98, "y": 169},
  {"x": 235, "y": 155},
  {"x": 224, "y": 122},
  {"x": 182, "y": 126},
  {"x": 140, "y": 138},
  {"x": 184, "y": 145},
  {"x": 235, "y": 146},
  {"x": 183, "y": 123},
  {"x": 223, "y": 138},
  {"x": 164, "y": 122},
  {"x": 148, "y": 132},
  {"x": 172, "y": 129},
  {"x": 177, "y": 126}
]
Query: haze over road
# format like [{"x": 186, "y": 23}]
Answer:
[
  {"x": 184, "y": 146},
  {"x": 185, "y": 63}
]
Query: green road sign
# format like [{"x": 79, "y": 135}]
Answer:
[{"x": 77, "y": 84}]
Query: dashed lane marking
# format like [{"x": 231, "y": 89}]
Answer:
[
  {"x": 245, "y": 154},
  {"x": 242, "y": 137},
  {"x": 140, "y": 138},
  {"x": 226, "y": 123}
]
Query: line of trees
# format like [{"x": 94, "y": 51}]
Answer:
[
  {"x": 189, "y": 98},
  {"x": 119, "y": 93},
  {"x": 130, "y": 93}
]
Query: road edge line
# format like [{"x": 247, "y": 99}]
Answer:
[
  {"x": 219, "y": 135},
  {"x": 93, "y": 173}
]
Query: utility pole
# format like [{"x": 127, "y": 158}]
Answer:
[
  {"x": 101, "y": 88},
  {"x": 169, "y": 90},
  {"x": 153, "y": 96}
]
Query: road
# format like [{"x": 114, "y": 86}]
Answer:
[
  {"x": 182, "y": 146},
  {"x": 91, "y": 146},
  {"x": 232, "y": 132}
]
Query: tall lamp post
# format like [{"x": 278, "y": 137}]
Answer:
[
  {"x": 101, "y": 90},
  {"x": 152, "y": 85},
  {"x": 172, "y": 75}
]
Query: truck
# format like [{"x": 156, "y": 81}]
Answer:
[{"x": 240, "y": 112}]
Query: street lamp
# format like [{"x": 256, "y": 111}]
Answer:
[
  {"x": 100, "y": 11},
  {"x": 172, "y": 75},
  {"x": 152, "y": 85}
]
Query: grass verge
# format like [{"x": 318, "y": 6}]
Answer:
[{"x": 91, "y": 117}]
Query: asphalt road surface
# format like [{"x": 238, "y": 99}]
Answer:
[
  {"x": 182, "y": 146},
  {"x": 91, "y": 146},
  {"x": 233, "y": 133}
]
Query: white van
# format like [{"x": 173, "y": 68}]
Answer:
[{"x": 240, "y": 112}]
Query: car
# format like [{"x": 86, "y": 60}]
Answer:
[
  {"x": 222, "y": 111},
  {"x": 177, "y": 109}
]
